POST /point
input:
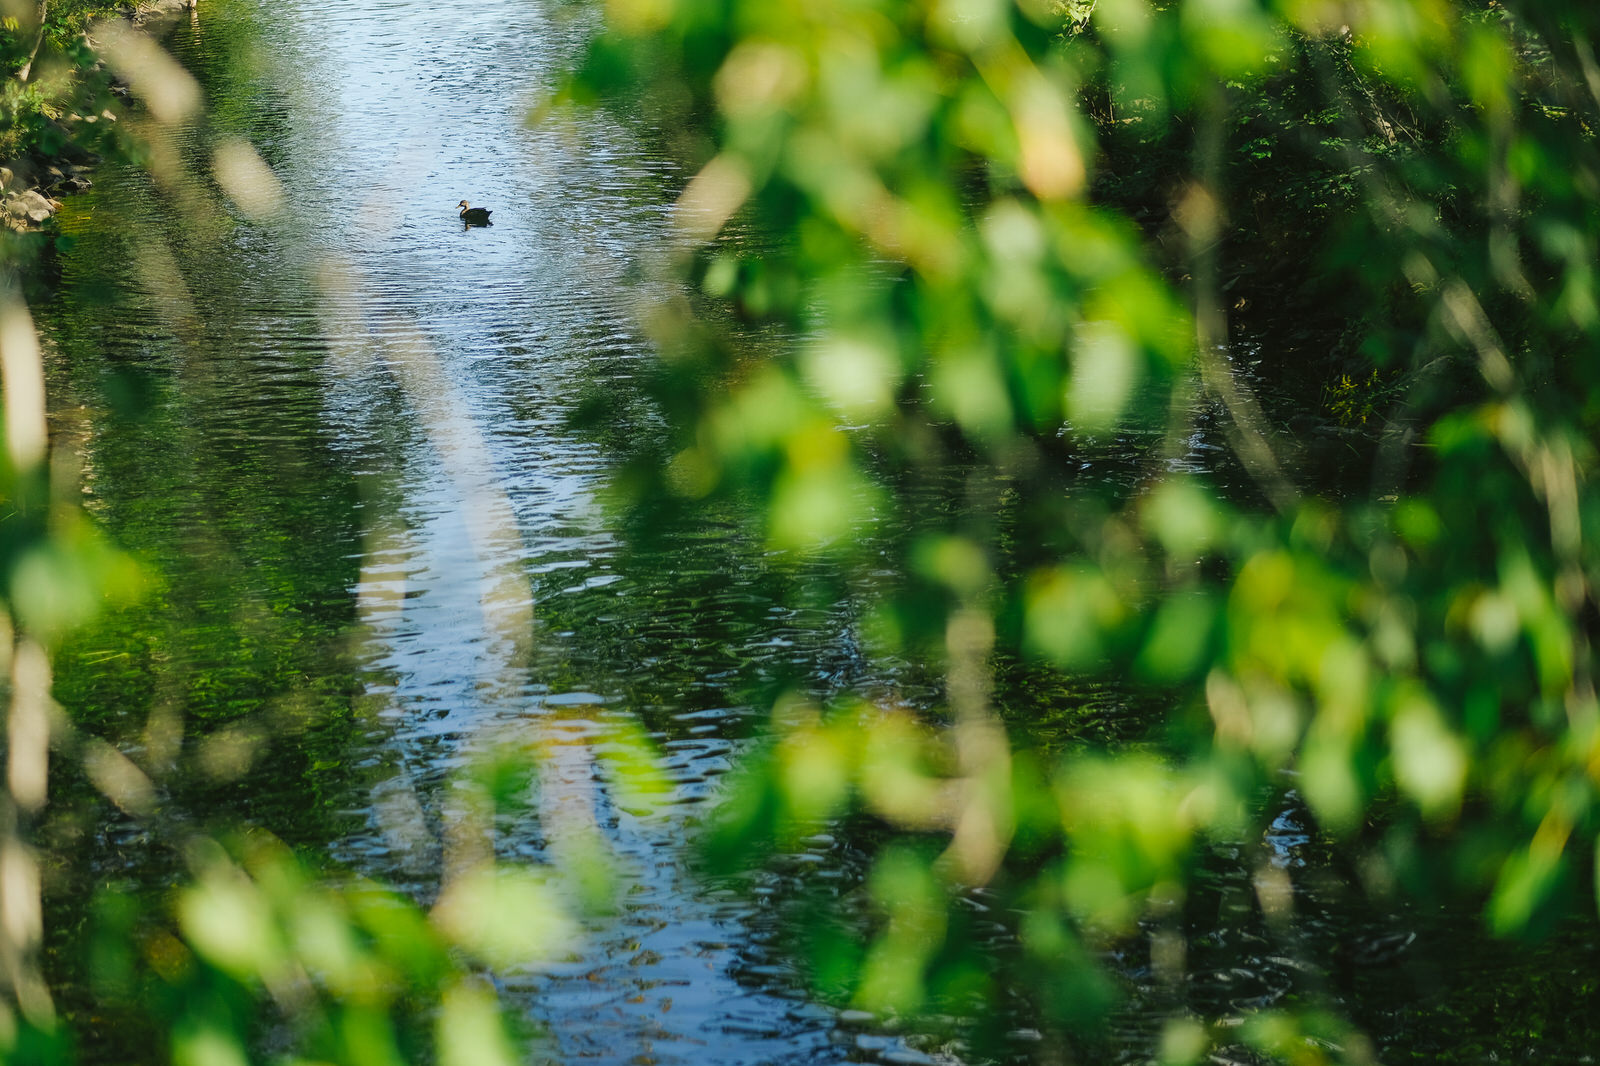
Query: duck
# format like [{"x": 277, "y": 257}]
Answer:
[{"x": 475, "y": 216}]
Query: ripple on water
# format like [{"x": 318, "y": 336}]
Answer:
[{"x": 437, "y": 368}]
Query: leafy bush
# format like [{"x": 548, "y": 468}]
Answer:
[{"x": 1001, "y": 246}]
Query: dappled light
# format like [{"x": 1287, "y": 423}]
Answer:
[
  {"x": 934, "y": 531},
  {"x": 967, "y": 292}
]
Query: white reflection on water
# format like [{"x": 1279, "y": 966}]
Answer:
[{"x": 455, "y": 356}]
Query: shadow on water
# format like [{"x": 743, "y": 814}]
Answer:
[{"x": 343, "y": 442}]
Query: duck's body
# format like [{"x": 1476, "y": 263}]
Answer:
[{"x": 475, "y": 216}]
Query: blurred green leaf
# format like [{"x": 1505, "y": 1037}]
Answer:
[{"x": 505, "y": 916}]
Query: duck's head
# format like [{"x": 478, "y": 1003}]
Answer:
[{"x": 463, "y": 203}]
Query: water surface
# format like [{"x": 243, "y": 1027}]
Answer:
[{"x": 345, "y": 437}]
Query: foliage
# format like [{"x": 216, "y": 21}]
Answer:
[
  {"x": 1354, "y": 403},
  {"x": 151, "y": 912},
  {"x": 1011, "y": 248},
  {"x": 253, "y": 948},
  {"x": 347, "y": 971},
  {"x": 43, "y": 112},
  {"x": 1004, "y": 252}
]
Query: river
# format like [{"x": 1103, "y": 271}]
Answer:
[
  {"x": 342, "y": 439},
  {"x": 348, "y": 439}
]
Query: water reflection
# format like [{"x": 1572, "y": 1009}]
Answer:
[
  {"x": 346, "y": 438},
  {"x": 421, "y": 378}
]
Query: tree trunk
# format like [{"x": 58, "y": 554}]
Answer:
[{"x": 38, "y": 39}]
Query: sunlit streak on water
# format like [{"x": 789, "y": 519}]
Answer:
[
  {"x": 440, "y": 366},
  {"x": 453, "y": 359}
]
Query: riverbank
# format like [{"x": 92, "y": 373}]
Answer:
[{"x": 65, "y": 117}]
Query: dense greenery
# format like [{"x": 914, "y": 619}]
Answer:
[
  {"x": 187, "y": 657},
  {"x": 1028, "y": 254},
  {"x": 51, "y": 80},
  {"x": 1012, "y": 243}
]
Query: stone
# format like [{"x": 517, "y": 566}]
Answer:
[
  {"x": 30, "y": 205},
  {"x": 160, "y": 11}
]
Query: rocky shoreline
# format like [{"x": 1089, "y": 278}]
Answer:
[
  {"x": 29, "y": 185},
  {"x": 29, "y": 199}
]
